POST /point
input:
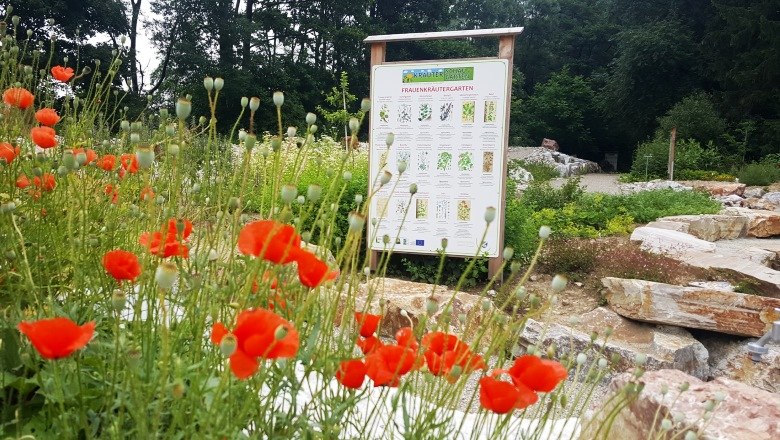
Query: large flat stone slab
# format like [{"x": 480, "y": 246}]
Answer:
[
  {"x": 750, "y": 264},
  {"x": 746, "y": 413},
  {"x": 710, "y": 227},
  {"x": 664, "y": 346},
  {"x": 669, "y": 242},
  {"x": 716, "y": 188},
  {"x": 692, "y": 307},
  {"x": 761, "y": 223}
]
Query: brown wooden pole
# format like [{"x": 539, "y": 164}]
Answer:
[
  {"x": 378, "y": 52},
  {"x": 672, "y": 146},
  {"x": 506, "y": 51}
]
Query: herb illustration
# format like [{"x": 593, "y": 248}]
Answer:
[
  {"x": 465, "y": 162},
  {"x": 442, "y": 209},
  {"x": 445, "y": 112},
  {"x": 445, "y": 161},
  {"x": 404, "y": 113},
  {"x": 467, "y": 115},
  {"x": 421, "y": 208},
  {"x": 400, "y": 208},
  {"x": 490, "y": 111},
  {"x": 464, "y": 210},
  {"x": 487, "y": 162},
  {"x": 425, "y": 112},
  {"x": 422, "y": 161},
  {"x": 381, "y": 206},
  {"x": 384, "y": 113}
]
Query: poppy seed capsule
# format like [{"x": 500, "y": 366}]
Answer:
[
  {"x": 201, "y": 120},
  {"x": 509, "y": 252},
  {"x": 124, "y": 125},
  {"x": 365, "y": 105},
  {"x": 135, "y": 138},
  {"x": 208, "y": 83},
  {"x": 311, "y": 118},
  {"x": 291, "y": 132},
  {"x": 183, "y": 108},
  {"x": 356, "y": 221},
  {"x": 358, "y": 198},
  {"x": 254, "y": 103},
  {"x": 249, "y": 141},
  {"x": 276, "y": 143},
  {"x": 165, "y": 275},
  {"x": 244, "y": 101},
  {"x": 490, "y": 214},
  {"x": 281, "y": 332},
  {"x": 289, "y": 193},
  {"x": 413, "y": 189},
  {"x": 347, "y": 176},
  {"x": 431, "y": 306},
  {"x": 118, "y": 299},
  {"x": 145, "y": 156},
  {"x": 386, "y": 176},
  {"x": 558, "y": 283},
  {"x": 170, "y": 129},
  {"x": 402, "y": 164},
  {"x": 354, "y": 124},
  {"x": 389, "y": 139},
  {"x": 278, "y": 98},
  {"x": 385, "y": 239},
  {"x": 228, "y": 345},
  {"x": 233, "y": 203},
  {"x": 301, "y": 200},
  {"x": 81, "y": 158},
  {"x": 544, "y": 232},
  {"x": 69, "y": 160},
  {"x": 313, "y": 192},
  {"x": 218, "y": 84},
  {"x": 173, "y": 149}
]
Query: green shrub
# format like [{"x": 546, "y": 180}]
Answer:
[
  {"x": 689, "y": 155},
  {"x": 542, "y": 195},
  {"x": 760, "y": 174},
  {"x": 424, "y": 268},
  {"x": 704, "y": 175},
  {"x": 570, "y": 256},
  {"x": 695, "y": 118},
  {"x": 541, "y": 171}
]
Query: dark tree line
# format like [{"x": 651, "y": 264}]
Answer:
[{"x": 597, "y": 75}]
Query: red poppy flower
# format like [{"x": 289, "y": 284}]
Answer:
[
  {"x": 311, "y": 270},
  {"x": 368, "y": 323},
  {"x": 44, "y": 137},
  {"x": 147, "y": 194},
  {"x": 170, "y": 243},
  {"x": 352, "y": 373},
  {"x": 58, "y": 337},
  {"x": 443, "y": 351},
  {"x": 502, "y": 396},
  {"x": 112, "y": 192},
  {"x": 270, "y": 240},
  {"x": 22, "y": 181},
  {"x": 260, "y": 333},
  {"x": 63, "y": 74},
  {"x": 8, "y": 153},
  {"x": 129, "y": 163},
  {"x": 537, "y": 374},
  {"x": 107, "y": 162},
  {"x": 47, "y": 116},
  {"x": 18, "y": 97},
  {"x": 369, "y": 344},
  {"x": 388, "y": 363},
  {"x": 45, "y": 182},
  {"x": 405, "y": 338},
  {"x": 122, "y": 265},
  {"x": 91, "y": 155}
]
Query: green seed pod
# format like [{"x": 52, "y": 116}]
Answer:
[
  {"x": 278, "y": 98},
  {"x": 314, "y": 192},
  {"x": 289, "y": 193},
  {"x": 311, "y": 118},
  {"x": 276, "y": 143},
  {"x": 228, "y": 345},
  {"x": 183, "y": 108}
]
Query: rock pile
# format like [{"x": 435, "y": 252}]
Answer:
[{"x": 566, "y": 165}]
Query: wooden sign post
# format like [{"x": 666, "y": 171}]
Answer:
[{"x": 466, "y": 145}]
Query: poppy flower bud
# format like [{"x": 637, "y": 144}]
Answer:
[
  {"x": 490, "y": 214},
  {"x": 276, "y": 143},
  {"x": 544, "y": 232},
  {"x": 145, "y": 156},
  {"x": 280, "y": 333},
  {"x": 234, "y": 203},
  {"x": 558, "y": 283},
  {"x": 7, "y": 207},
  {"x": 163, "y": 113},
  {"x": 202, "y": 120},
  {"x": 431, "y": 306},
  {"x": 356, "y": 221},
  {"x": 69, "y": 160},
  {"x": 249, "y": 142},
  {"x": 173, "y": 149},
  {"x": 118, "y": 299},
  {"x": 15, "y": 20},
  {"x": 81, "y": 158},
  {"x": 313, "y": 129},
  {"x": 311, "y": 118},
  {"x": 389, "y": 139},
  {"x": 183, "y": 108},
  {"x": 444, "y": 243},
  {"x": 402, "y": 164},
  {"x": 289, "y": 193},
  {"x": 165, "y": 275},
  {"x": 170, "y": 129},
  {"x": 509, "y": 252},
  {"x": 29, "y": 33},
  {"x": 365, "y": 105},
  {"x": 244, "y": 101},
  {"x": 219, "y": 83},
  {"x": 354, "y": 124},
  {"x": 212, "y": 255},
  {"x": 386, "y": 176},
  {"x": 278, "y": 99},
  {"x": 228, "y": 345},
  {"x": 208, "y": 83},
  {"x": 374, "y": 221},
  {"x": 291, "y": 132},
  {"x": 37, "y": 171},
  {"x": 313, "y": 192},
  {"x": 241, "y": 135},
  {"x": 254, "y": 103}
]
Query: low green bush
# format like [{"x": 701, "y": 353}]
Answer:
[
  {"x": 759, "y": 174},
  {"x": 542, "y": 195},
  {"x": 651, "y": 158},
  {"x": 704, "y": 175},
  {"x": 573, "y": 257},
  {"x": 542, "y": 172}
]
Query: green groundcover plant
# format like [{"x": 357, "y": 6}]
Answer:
[{"x": 159, "y": 280}]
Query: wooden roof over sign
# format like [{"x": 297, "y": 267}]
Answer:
[{"x": 495, "y": 32}]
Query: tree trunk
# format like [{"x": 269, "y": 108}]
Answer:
[{"x": 135, "y": 11}]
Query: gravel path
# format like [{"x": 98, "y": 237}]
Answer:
[{"x": 593, "y": 183}]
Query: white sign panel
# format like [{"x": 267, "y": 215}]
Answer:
[{"x": 448, "y": 121}]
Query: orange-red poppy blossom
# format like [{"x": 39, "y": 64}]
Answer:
[
  {"x": 369, "y": 344},
  {"x": 147, "y": 194},
  {"x": 58, "y": 337},
  {"x": 8, "y": 152},
  {"x": 18, "y": 97},
  {"x": 443, "y": 351},
  {"x": 122, "y": 265},
  {"x": 44, "y": 137},
  {"x": 111, "y": 192},
  {"x": 352, "y": 373},
  {"x": 107, "y": 162},
  {"x": 538, "y": 374},
  {"x": 405, "y": 338},
  {"x": 89, "y": 152},
  {"x": 46, "y": 182},
  {"x": 387, "y": 364},
  {"x": 170, "y": 243},
  {"x": 260, "y": 334},
  {"x": 63, "y": 74},
  {"x": 273, "y": 241},
  {"x": 129, "y": 163},
  {"x": 368, "y": 323},
  {"x": 502, "y": 396},
  {"x": 311, "y": 270},
  {"x": 22, "y": 181},
  {"x": 47, "y": 116}
]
